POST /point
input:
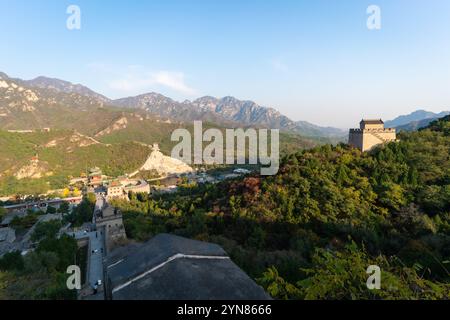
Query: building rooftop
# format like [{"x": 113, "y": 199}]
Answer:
[
  {"x": 114, "y": 183},
  {"x": 372, "y": 121},
  {"x": 109, "y": 212},
  {"x": 170, "y": 267}
]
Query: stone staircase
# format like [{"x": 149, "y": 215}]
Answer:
[{"x": 376, "y": 135}]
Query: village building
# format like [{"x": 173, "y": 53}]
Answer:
[
  {"x": 370, "y": 134},
  {"x": 137, "y": 186},
  {"x": 120, "y": 188},
  {"x": 114, "y": 190},
  {"x": 95, "y": 177}
]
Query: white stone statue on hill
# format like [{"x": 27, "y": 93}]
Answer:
[{"x": 164, "y": 165}]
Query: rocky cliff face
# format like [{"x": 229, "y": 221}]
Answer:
[
  {"x": 167, "y": 108},
  {"x": 58, "y": 85},
  {"x": 23, "y": 106},
  {"x": 33, "y": 171},
  {"x": 247, "y": 112},
  {"x": 225, "y": 111},
  {"x": 16, "y": 98},
  {"x": 117, "y": 125}
]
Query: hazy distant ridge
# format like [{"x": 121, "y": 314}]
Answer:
[{"x": 415, "y": 120}]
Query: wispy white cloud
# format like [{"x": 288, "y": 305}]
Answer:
[
  {"x": 278, "y": 65},
  {"x": 173, "y": 80},
  {"x": 137, "y": 79}
]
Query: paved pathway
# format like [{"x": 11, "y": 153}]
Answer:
[
  {"x": 96, "y": 254},
  {"x": 96, "y": 258},
  {"x": 99, "y": 205}
]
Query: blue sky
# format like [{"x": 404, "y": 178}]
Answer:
[{"x": 312, "y": 60}]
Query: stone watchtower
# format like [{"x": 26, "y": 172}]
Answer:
[
  {"x": 370, "y": 134},
  {"x": 110, "y": 222}
]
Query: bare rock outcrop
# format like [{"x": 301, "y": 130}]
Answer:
[
  {"x": 120, "y": 124},
  {"x": 33, "y": 171}
]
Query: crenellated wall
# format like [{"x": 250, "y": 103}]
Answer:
[{"x": 367, "y": 139}]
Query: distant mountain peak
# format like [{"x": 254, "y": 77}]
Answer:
[
  {"x": 415, "y": 120},
  {"x": 224, "y": 110},
  {"x": 419, "y": 111},
  {"x": 416, "y": 116},
  {"x": 64, "y": 86},
  {"x": 43, "y": 82}
]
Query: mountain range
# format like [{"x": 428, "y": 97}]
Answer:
[
  {"x": 63, "y": 86},
  {"x": 415, "y": 120},
  {"x": 225, "y": 111},
  {"x": 50, "y": 102},
  {"x": 90, "y": 130}
]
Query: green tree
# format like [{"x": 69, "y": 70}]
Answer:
[
  {"x": 64, "y": 208},
  {"x": 46, "y": 230},
  {"x": 392, "y": 195},
  {"x": 12, "y": 261},
  {"x": 342, "y": 275},
  {"x": 277, "y": 287},
  {"x": 51, "y": 210}
]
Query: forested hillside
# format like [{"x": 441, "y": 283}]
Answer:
[
  {"x": 87, "y": 130},
  {"x": 117, "y": 151},
  {"x": 311, "y": 231},
  {"x": 62, "y": 154}
]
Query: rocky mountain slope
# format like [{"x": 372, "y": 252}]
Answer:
[
  {"x": 42, "y": 99},
  {"x": 65, "y": 87},
  {"x": 168, "y": 109},
  {"x": 227, "y": 110},
  {"x": 26, "y": 108}
]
